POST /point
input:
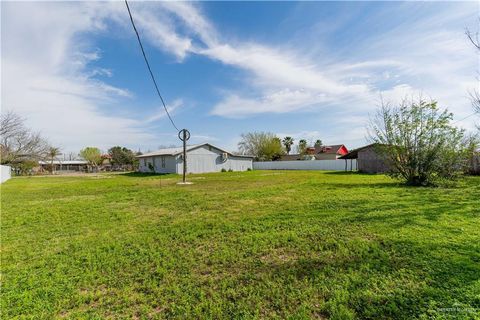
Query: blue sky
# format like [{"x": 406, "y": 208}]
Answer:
[{"x": 312, "y": 70}]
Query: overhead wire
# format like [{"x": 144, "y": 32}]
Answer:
[
  {"x": 465, "y": 118},
  {"x": 148, "y": 66}
]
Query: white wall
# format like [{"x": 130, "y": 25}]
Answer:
[
  {"x": 335, "y": 165},
  {"x": 199, "y": 160},
  {"x": 170, "y": 164},
  {"x": 6, "y": 173},
  {"x": 209, "y": 159}
]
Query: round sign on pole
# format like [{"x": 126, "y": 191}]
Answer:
[{"x": 184, "y": 135}]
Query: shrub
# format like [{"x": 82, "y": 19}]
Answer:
[
  {"x": 223, "y": 170},
  {"x": 419, "y": 141}
]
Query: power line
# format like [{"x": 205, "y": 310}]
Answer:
[
  {"x": 148, "y": 66},
  {"x": 465, "y": 118}
]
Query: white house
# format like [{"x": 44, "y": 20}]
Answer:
[{"x": 200, "y": 158}]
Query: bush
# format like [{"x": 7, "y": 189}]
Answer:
[
  {"x": 421, "y": 144},
  {"x": 230, "y": 170},
  {"x": 223, "y": 170},
  {"x": 249, "y": 169}
]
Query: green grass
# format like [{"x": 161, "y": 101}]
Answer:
[{"x": 260, "y": 244}]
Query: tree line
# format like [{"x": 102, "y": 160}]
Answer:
[
  {"x": 266, "y": 146},
  {"x": 418, "y": 140},
  {"x": 23, "y": 149},
  {"x": 119, "y": 157}
]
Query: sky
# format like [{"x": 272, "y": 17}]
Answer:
[{"x": 310, "y": 70}]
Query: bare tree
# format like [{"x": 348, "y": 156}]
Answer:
[
  {"x": 474, "y": 37},
  {"x": 10, "y": 125},
  {"x": 475, "y": 40},
  {"x": 17, "y": 142}
]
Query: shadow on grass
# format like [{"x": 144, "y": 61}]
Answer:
[
  {"x": 343, "y": 173},
  {"x": 354, "y": 172},
  {"x": 349, "y": 185},
  {"x": 145, "y": 174}
]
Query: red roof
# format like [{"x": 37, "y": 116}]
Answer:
[{"x": 336, "y": 149}]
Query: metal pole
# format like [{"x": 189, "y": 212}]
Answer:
[{"x": 184, "y": 153}]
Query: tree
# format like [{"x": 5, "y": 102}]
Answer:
[
  {"x": 264, "y": 146},
  {"x": 92, "y": 155},
  {"x": 273, "y": 149},
  {"x": 318, "y": 143},
  {"x": 17, "y": 142},
  {"x": 53, "y": 153},
  {"x": 121, "y": 156},
  {"x": 475, "y": 95},
  {"x": 418, "y": 141},
  {"x": 288, "y": 142},
  {"x": 302, "y": 146},
  {"x": 25, "y": 167}
]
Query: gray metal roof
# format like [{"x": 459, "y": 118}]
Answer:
[
  {"x": 179, "y": 150},
  {"x": 64, "y": 162}
]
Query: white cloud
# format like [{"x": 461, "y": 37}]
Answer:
[
  {"x": 45, "y": 79},
  {"x": 277, "y": 74},
  {"x": 416, "y": 57},
  {"x": 160, "y": 113},
  {"x": 274, "y": 102}
]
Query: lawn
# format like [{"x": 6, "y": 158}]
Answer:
[{"x": 260, "y": 244}]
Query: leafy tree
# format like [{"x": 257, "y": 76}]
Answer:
[
  {"x": 53, "y": 153},
  {"x": 288, "y": 142},
  {"x": 302, "y": 146},
  {"x": 318, "y": 143},
  {"x": 472, "y": 144},
  {"x": 419, "y": 141},
  {"x": 264, "y": 146},
  {"x": 92, "y": 155},
  {"x": 121, "y": 156},
  {"x": 25, "y": 167},
  {"x": 273, "y": 149}
]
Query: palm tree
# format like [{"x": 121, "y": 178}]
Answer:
[
  {"x": 288, "y": 142},
  {"x": 302, "y": 146},
  {"x": 318, "y": 143},
  {"x": 52, "y": 153}
]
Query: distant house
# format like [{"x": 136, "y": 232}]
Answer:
[
  {"x": 368, "y": 159},
  {"x": 200, "y": 158},
  {"x": 318, "y": 153},
  {"x": 63, "y": 165}
]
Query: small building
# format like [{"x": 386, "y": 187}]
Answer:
[
  {"x": 64, "y": 165},
  {"x": 368, "y": 159},
  {"x": 333, "y": 152},
  {"x": 201, "y": 158}
]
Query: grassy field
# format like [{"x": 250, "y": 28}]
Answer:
[{"x": 258, "y": 244}]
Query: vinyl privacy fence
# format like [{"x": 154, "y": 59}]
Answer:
[
  {"x": 6, "y": 173},
  {"x": 334, "y": 165}
]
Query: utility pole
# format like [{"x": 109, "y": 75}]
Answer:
[{"x": 184, "y": 135}]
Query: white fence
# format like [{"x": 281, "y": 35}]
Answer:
[
  {"x": 335, "y": 165},
  {"x": 6, "y": 173}
]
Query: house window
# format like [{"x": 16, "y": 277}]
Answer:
[
  {"x": 163, "y": 162},
  {"x": 153, "y": 160},
  {"x": 144, "y": 162},
  {"x": 209, "y": 148}
]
